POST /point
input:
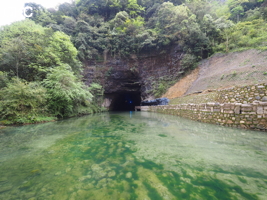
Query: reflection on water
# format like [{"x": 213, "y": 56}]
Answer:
[{"x": 136, "y": 155}]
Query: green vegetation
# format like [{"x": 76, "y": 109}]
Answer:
[
  {"x": 161, "y": 85},
  {"x": 23, "y": 102},
  {"x": 162, "y": 135},
  {"x": 234, "y": 73},
  {"x": 46, "y": 52},
  {"x": 161, "y": 88},
  {"x": 246, "y": 35},
  {"x": 29, "y": 51},
  {"x": 121, "y": 28},
  {"x": 39, "y": 77},
  {"x": 152, "y": 192}
]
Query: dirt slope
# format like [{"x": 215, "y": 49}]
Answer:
[
  {"x": 222, "y": 71},
  {"x": 180, "y": 88}
]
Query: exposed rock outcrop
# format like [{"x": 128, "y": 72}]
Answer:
[{"x": 134, "y": 74}]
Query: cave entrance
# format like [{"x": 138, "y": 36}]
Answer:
[
  {"x": 124, "y": 101},
  {"x": 122, "y": 90}
]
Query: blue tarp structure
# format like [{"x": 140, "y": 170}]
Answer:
[{"x": 156, "y": 102}]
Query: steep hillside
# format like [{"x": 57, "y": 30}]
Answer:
[{"x": 222, "y": 71}]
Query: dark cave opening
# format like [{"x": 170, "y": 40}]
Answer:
[{"x": 124, "y": 101}]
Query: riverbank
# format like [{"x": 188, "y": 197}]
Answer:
[
  {"x": 5, "y": 123},
  {"x": 41, "y": 119},
  {"x": 248, "y": 116}
]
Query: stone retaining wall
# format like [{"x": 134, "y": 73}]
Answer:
[
  {"x": 242, "y": 107},
  {"x": 245, "y": 94},
  {"x": 250, "y": 116}
]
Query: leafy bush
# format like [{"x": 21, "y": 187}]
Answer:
[
  {"x": 3, "y": 79},
  {"x": 22, "y": 101},
  {"x": 161, "y": 89},
  {"x": 97, "y": 91},
  {"x": 65, "y": 92},
  {"x": 161, "y": 86},
  {"x": 189, "y": 61}
]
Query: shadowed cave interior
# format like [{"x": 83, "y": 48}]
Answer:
[{"x": 124, "y": 101}]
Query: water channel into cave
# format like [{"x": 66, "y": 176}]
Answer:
[
  {"x": 122, "y": 90},
  {"x": 124, "y": 101}
]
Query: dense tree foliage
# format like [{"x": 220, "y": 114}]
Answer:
[
  {"x": 65, "y": 92},
  {"x": 39, "y": 74},
  {"x": 124, "y": 27},
  {"x": 28, "y": 50}
]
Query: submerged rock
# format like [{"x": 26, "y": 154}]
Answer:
[
  {"x": 73, "y": 196},
  {"x": 96, "y": 167},
  {"x": 112, "y": 173},
  {"x": 58, "y": 173},
  {"x": 68, "y": 169},
  {"x": 81, "y": 192},
  {"x": 98, "y": 172},
  {"x": 85, "y": 177},
  {"x": 89, "y": 186},
  {"x": 129, "y": 175},
  {"x": 50, "y": 152},
  {"x": 102, "y": 183},
  {"x": 183, "y": 190}
]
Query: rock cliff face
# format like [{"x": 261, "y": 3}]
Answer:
[{"x": 127, "y": 81}]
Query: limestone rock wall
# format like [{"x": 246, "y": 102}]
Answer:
[{"x": 135, "y": 73}]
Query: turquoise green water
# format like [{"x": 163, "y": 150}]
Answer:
[{"x": 132, "y": 155}]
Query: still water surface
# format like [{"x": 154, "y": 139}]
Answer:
[{"x": 132, "y": 155}]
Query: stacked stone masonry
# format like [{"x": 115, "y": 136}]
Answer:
[
  {"x": 245, "y": 94},
  {"x": 242, "y": 115}
]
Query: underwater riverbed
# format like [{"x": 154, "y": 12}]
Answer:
[{"x": 132, "y": 155}]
